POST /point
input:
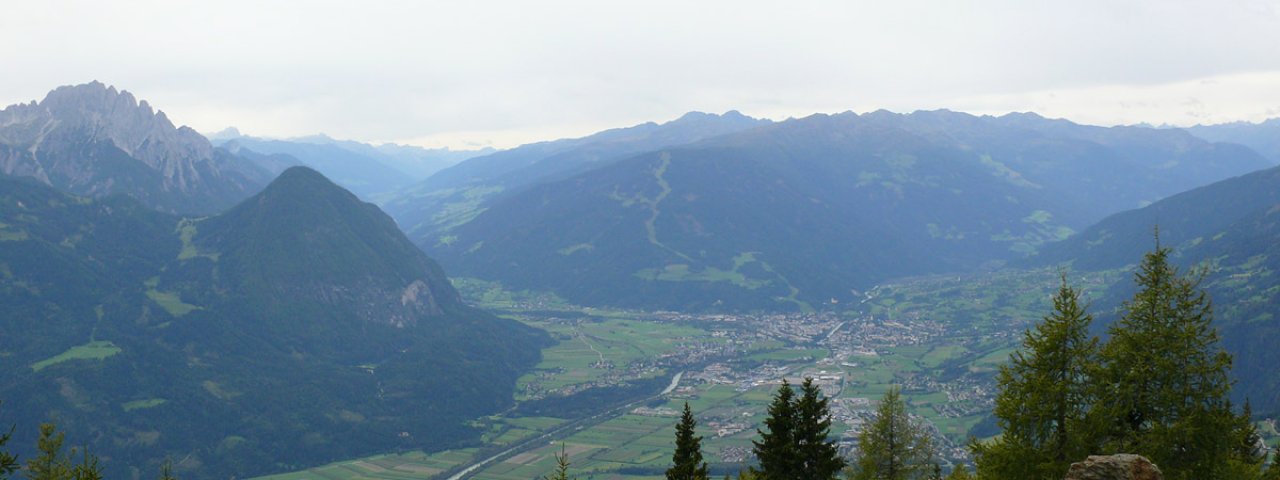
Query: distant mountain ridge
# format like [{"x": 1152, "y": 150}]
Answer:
[
  {"x": 813, "y": 210},
  {"x": 94, "y": 140},
  {"x": 373, "y": 173},
  {"x": 1262, "y": 136},
  {"x": 429, "y": 209},
  {"x": 297, "y": 328}
]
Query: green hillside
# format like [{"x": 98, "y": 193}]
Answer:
[
  {"x": 299, "y": 327},
  {"x": 1231, "y": 228}
]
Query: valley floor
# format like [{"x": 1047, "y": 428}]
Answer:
[{"x": 940, "y": 338}]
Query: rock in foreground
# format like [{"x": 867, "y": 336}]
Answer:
[{"x": 1115, "y": 467}]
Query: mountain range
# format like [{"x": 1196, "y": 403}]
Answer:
[
  {"x": 94, "y": 140},
  {"x": 296, "y": 328},
  {"x": 1263, "y": 136},
  {"x": 371, "y": 172},
  {"x": 795, "y": 214},
  {"x": 428, "y": 210}
]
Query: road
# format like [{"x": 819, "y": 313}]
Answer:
[{"x": 557, "y": 432}]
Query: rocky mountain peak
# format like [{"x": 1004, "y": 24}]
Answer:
[
  {"x": 86, "y": 138},
  {"x": 131, "y": 125}
]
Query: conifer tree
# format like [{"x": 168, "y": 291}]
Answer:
[
  {"x": 166, "y": 470},
  {"x": 50, "y": 464},
  {"x": 893, "y": 447},
  {"x": 1249, "y": 449},
  {"x": 818, "y": 458},
  {"x": 8, "y": 461},
  {"x": 88, "y": 468},
  {"x": 1043, "y": 394},
  {"x": 960, "y": 472},
  {"x": 1273, "y": 470},
  {"x": 1165, "y": 380},
  {"x": 562, "y": 466},
  {"x": 687, "y": 459},
  {"x": 776, "y": 449}
]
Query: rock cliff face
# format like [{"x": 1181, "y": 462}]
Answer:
[
  {"x": 95, "y": 140},
  {"x": 1114, "y": 467}
]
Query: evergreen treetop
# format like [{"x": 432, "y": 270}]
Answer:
[
  {"x": 1164, "y": 379},
  {"x": 776, "y": 449},
  {"x": 562, "y": 466},
  {"x": 8, "y": 462},
  {"x": 893, "y": 447},
  {"x": 687, "y": 461},
  {"x": 50, "y": 464},
  {"x": 1043, "y": 394},
  {"x": 960, "y": 472},
  {"x": 818, "y": 458}
]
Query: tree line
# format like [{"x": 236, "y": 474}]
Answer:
[
  {"x": 1157, "y": 387},
  {"x": 52, "y": 463}
]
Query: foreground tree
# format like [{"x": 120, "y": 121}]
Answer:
[
  {"x": 687, "y": 459},
  {"x": 1043, "y": 394},
  {"x": 893, "y": 447},
  {"x": 776, "y": 449},
  {"x": 818, "y": 457},
  {"x": 960, "y": 472},
  {"x": 1165, "y": 380},
  {"x": 87, "y": 469},
  {"x": 1273, "y": 471},
  {"x": 796, "y": 444},
  {"x": 8, "y": 462},
  {"x": 562, "y": 466},
  {"x": 50, "y": 464},
  {"x": 166, "y": 470}
]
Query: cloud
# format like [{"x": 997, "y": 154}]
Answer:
[
  {"x": 1217, "y": 99},
  {"x": 398, "y": 69}
]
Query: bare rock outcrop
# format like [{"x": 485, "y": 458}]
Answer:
[
  {"x": 94, "y": 140},
  {"x": 1122, "y": 466}
]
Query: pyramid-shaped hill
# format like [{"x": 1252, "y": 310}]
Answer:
[
  {"x": 305, "y": 239},
  {"x": 298, "y": 328}
]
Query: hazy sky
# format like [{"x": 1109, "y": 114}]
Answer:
[{"x": 458, "y": 73}]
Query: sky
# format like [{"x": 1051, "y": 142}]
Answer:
[{"x": 466, "y": 74}]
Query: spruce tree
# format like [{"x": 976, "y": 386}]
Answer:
[
  {"x": 1165, "y": 380},
  {"x": 562, "y": 466},
  {"x": 166, "y": 470},
  {"x": 819, "y": 458},
  {"x": 1042, "y": 396},
  {"x": 88, "y": 468},
  {"x": 893, "y": 447},
  {"x": 776, "y": 449},
  {"x": 8, "y": 462},
  {"x": 50, "y": 464},
  {"x": 1273, "y": 470},
  {"x": 1249, "y": 452},
  {"x": 960, "y": 472},
  {"x": 687, "y": 459}
]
